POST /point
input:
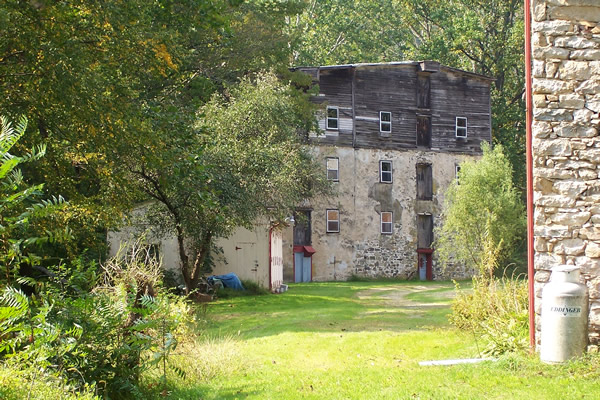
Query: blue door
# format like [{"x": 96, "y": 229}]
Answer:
[
  {"x": 302, "y": 266},
  {"x": 422, "y": 267}
]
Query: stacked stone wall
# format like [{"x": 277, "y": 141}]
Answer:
[{"x": 566, "y": 145}]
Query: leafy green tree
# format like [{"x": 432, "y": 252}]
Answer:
[
  {"x": 103, "y": 79},
  {"x": 483, "y": 215},
  {"x": 243, "y": 161},
  {"x": 342, "y": 31}
]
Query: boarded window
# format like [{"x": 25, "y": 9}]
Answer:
[
  {"x": 302, "y": 228},
  {"x": 385, "y": 122},
  {"x": 333, "y": 221},
  {"x": 423, "y": 91},
  {"x": 332, "y": 118},
  {"x": 424, "y": 231},
  {"x": 333, "y": 169},
  {"x": 424, "y": 182},
  {"x": 424, "y": 131},
  {"x": 461, "y": 127},
  {"x": 385, "y": 172},
  {"x": 387, "y": 224}
]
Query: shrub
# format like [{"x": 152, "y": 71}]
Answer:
[
  {"x": 105, "y": 338},
  {"x": 21, "y": 205},
  {"x": 481, "y": 214}
]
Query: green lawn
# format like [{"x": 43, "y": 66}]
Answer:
[{"x": 357, "y": 340}]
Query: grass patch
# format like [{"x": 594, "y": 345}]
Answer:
[
  {"x": 252, "y": 289},
  {"x": 358, "y": 340}
]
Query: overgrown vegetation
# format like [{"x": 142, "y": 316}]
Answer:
[
  {"x": 495, "y": 311},
  {"x": 484, "y": 220},
  {"x": 484, "y": 216},
  {"x": 99, "y": 341},
  {"x": 83, "y": 331}
]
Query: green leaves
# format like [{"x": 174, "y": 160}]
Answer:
[{"x": 484, "y": 216}]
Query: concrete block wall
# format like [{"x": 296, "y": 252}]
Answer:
[{"x": 566, "y": 145}]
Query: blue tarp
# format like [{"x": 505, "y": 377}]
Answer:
[{"x": 229, "y": 281}]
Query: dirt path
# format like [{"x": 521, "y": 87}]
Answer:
[{"x": 394, "y": 296}]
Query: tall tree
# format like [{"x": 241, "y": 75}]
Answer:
[
  {"x": 103, "y": 79},
  {"x": 244, "y": 160},
  {"x": 483, "y": 215}
]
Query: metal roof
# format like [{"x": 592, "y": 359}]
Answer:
[{"x": 394, "y": 63}]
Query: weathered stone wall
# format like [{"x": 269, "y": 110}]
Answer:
[
  {"x": 566, "y": 146},
  {"x": 360, "y": 249}
]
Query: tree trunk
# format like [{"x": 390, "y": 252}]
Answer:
[
  {"x": 184, "y": 259},
  {"x": 202, "y": 253}
]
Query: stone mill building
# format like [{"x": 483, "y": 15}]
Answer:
[{"x": 391, "y": 139}]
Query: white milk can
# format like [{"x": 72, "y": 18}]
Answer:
[{"x": 564, "y": 316}]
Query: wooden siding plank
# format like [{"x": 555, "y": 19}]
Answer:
[{"x": 394, "y": 88}]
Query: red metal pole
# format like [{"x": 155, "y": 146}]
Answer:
[
  {"x": 270, "y": 258},
  {"x": 529, "y": 166}
]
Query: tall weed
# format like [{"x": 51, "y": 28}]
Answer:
[
  {"x": 496, "y": 310},
  {"x": 218, "y": 358}
]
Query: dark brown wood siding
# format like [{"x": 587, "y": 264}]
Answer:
[
  {"x": 423, "y": 91},
  {"x": 454, "y": 96},
  {"x": 411, "y": 96}
]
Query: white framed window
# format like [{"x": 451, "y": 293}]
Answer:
[
  {"x": 461, "y": 127},
  {"x": 333, "y": 169},
  {"x": 332, "y": 118},
  {"x": 385, "y": 122},
  {"x": 385, "y": 171},
  {"x": 387, "y": 224},
  {"x": 333, "y": 221}
]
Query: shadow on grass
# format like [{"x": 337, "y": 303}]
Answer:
[
  {"x": 335, "y": 307},
  {"x": 206, "y": 392}
]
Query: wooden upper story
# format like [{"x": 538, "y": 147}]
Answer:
[{"x": 402, "y": 105}]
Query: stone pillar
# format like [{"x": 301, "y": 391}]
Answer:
[{"x": 566, "y": 145}]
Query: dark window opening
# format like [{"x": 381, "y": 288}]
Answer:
[
  {"x": 424, "y": 231},
  {"x": 385, "y": 172},
  {"x": 302, "y": 228},
  {"x": 424, "y": 182},
  {"x": 457, "y": 173},
  {"x": 332, "y": 118},
  {"x": 461, "y": 127},
  {"x": 424, "y": 91},
  {"x": 385, "y": 122},
  {"x": 424, "y": 132}
]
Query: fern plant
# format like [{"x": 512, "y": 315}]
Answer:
[{"x": 20, "y": 204}]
